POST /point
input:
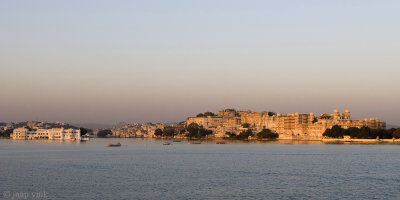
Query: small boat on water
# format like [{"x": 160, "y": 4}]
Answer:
[
  {"x": 114, "y": 145},
  {"x": 195, "y": 142},
  {"x": 177, "y": 141},
  {"x": 166, "y": 143},
  {"x": 220, "y": 142}
]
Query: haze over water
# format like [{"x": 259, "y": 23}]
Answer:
[
  {"x": 163, "y": 61},
  {"x": 146, "y": 169}
]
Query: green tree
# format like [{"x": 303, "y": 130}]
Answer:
[
  {"x": 158, "y": 132},
  {"x": 365, "y": 133},
  {"x": 360, "y": 133},
  {"x": 196, "y": 131},
  {"x": 193, "y": 130},
  {"x": 246, "y": 125},
  {"x": 271, "y": 114},
  {"x": 244, "y": 135},
  {"x": 334, "y": 132},
  {"x": 83, "y": 131},
  {"x": 104, "y": 133},
  {"x": 7, "y": 133},
  {"x": 391, "y": 132},
  {"x": 266, "y": 133},
  {"x": 231, "y": 135},
  {"x": 206, "y": 114},
  {"x": 204, "y": 132},
  {"x": 352, "y": 132},
  {"x": 209, "y": 114},
  {"x": 382, "y": 133},
  {"x": 396, "y": 133},
  {"x": 169, "y": 132}
]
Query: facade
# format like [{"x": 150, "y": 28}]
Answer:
[
  {"x": 51, "y": 134},
  {"x": 20, "y": 134},
  {"x": 291, "y": 125}
]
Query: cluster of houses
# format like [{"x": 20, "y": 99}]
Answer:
[{"x": 136, "y": 130}]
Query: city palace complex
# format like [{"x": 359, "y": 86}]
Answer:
[{"x": 288, "y": 126}]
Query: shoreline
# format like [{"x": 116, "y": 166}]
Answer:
[
  {"x": 284, "y": 140},
  {"x": 279, "y": 140}
]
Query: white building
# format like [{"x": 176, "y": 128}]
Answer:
[
  {"x": 51, "y": 134},
  {"x": 20, "y": 134}
]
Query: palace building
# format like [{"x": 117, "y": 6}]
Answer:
[
  {"x": 51, "y": 134},
  {"x": 289, "y": 126}
]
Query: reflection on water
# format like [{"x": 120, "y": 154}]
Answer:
[{"x": 146, "y": 169}]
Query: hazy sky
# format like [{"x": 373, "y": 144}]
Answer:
[{"x": 162, "y": 61}]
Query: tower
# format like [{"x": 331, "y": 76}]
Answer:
[
  {"x": 347, "y": 114},
  {"x": 311, "y": 118},
  {"x": 336, "y": 114}
]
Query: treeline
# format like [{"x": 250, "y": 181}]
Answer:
[
  {"x": 206, "y": 114},
  {"x": 193, "y": 130},
  {"x": 362, "y": 133},
  {"x": 169, "y": 131},
  {"x": 245, "y": 134},
  {"x": 6, "y": 133},
  {"x": 104, "y": 133}
]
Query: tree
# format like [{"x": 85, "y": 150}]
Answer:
[
  {"x": 352, "y": 132},
  {"x": 231, "y": 135},
  {"x": 365, "y": 132},
  {"x": 193, "y": 130},
  {"x": 169, "y": 132},
  {"x": 334, "y": 132},
  {"x": 158, "y": 132},
  {"x": 246, "y": 125},
  {"x": 271, "y": 114},
  {"x": 382, "y": 133},
  {"x": 196, "y": 131},
  {"x": 206, "y": 114},
  {"x": 104, "y": 133},
  {"x": 396, "y": 133},
  {"x": 361, "y": 133},
  {"x": 204, "y": 132},
  {"x": 7, "y": 133},
  {"x": 209, "y": 114},
  {"x": 83, "y": 131},
  {"x": 266, "y": 133},
  {"x": 244, "y": 135}
]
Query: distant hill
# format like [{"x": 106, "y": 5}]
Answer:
[
  {"x": 37, "y": 124},
  {"x": 389, "y": 126},
  {"x": 93, "y": 125}
]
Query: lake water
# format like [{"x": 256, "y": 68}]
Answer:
[{"x": 146, "y": 169}]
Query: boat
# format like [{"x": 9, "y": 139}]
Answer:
[
  {"x": 195, "y": 142},
  {"x": 220, "y": 142},
  {"x": 114, "y": 145},
  {"x": 177, "y": 141},
  {"x": 166, "y": 143}
]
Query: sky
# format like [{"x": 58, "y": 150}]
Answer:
[{"x": 163, "y": 61}]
